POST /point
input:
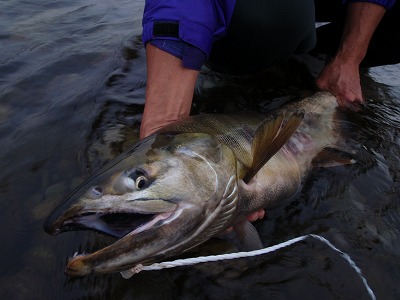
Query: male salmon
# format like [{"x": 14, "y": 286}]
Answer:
[{"x": 194, "y": 179}]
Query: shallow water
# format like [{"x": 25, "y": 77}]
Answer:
[{"x": 72, "y": 81}]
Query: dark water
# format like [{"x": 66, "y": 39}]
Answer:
[{"x": 72, "y": 81}]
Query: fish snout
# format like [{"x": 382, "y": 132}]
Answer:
[{"x": 76, "y": 267}]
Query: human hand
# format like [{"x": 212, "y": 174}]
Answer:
[
  {"x": 342, "y": 79},
  {"x": 259, "y": 214}
]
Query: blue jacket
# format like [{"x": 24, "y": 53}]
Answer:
[
  {"x": 201, "y": 22},
  {"x": 195, "y": 23},
  {"x": 385, "y": 3}
]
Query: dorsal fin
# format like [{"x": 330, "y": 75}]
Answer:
[{"x": 269, "y": 139}]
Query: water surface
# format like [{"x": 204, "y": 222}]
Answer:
[{"x": 72, "y": 81}]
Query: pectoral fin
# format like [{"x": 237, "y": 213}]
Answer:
[
  {"x": 332, "y": 157},
  {"x": 269, "y": 139},
  {"x": 244, "y": 236}
]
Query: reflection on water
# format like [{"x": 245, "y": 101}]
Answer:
[{"x": 72, "y": 81}]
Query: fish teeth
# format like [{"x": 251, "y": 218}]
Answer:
[{"x": 75, "y": 255}]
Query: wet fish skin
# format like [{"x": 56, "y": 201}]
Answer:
[{"x": 189, "y": 180}]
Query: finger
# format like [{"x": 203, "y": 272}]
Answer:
[
  {"x": 256, "y": 215},
  {"x": 350, "y": 102}
]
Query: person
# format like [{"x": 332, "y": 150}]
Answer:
[
  {"x": 236, "y": 37},
  {"x": 246, "y": 36},
  {"x": 361, "y": 43}
]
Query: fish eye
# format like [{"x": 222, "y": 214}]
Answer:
[
  {"x": 141, "y": 182},
  {"x": 140, "y": 178}
]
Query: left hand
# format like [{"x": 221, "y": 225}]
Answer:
[{"x": 342, "y": 79}]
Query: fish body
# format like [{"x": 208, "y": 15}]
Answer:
[{"x": 194, "y": 179}]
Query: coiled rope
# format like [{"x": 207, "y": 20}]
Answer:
[{"x": 202, "y": 259}]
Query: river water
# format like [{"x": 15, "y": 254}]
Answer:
[{"x": 72, "y": 82}]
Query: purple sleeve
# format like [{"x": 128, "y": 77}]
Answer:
[
  {"x": 385, "y": 3},
  {"x": 192, "y": 57},
  {"x": 198, "y": 23}
]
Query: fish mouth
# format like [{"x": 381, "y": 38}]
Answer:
[
  {"x": 115, "y": 223},
  {"x": 142, "y": 233}
]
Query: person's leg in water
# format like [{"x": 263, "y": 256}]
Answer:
[{"x": 263, "y": 33}]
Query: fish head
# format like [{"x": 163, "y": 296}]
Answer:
[{"x": 161, "y": 198}]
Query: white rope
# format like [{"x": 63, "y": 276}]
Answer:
[{"x": 202, "y": 259}]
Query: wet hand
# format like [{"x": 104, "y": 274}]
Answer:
[
  {"x": 257, "y": 215},
  {"x": 342, "y": 79}
]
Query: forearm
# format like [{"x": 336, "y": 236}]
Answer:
[
  {"x": 341, "y": 76},
  {"x": 178, "y": 36},
  {"x": 169, "y": 90},
  {"x": 361, "y": 22}
]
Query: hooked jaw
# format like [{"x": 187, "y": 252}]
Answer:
[
  {"x": 130, "y": 227},
  {"x": 129, "y": 250},
  {"x": 144, "y": 245},
  {"x": 106, "y": 260},
  {"x": 77, "y": 267}
]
